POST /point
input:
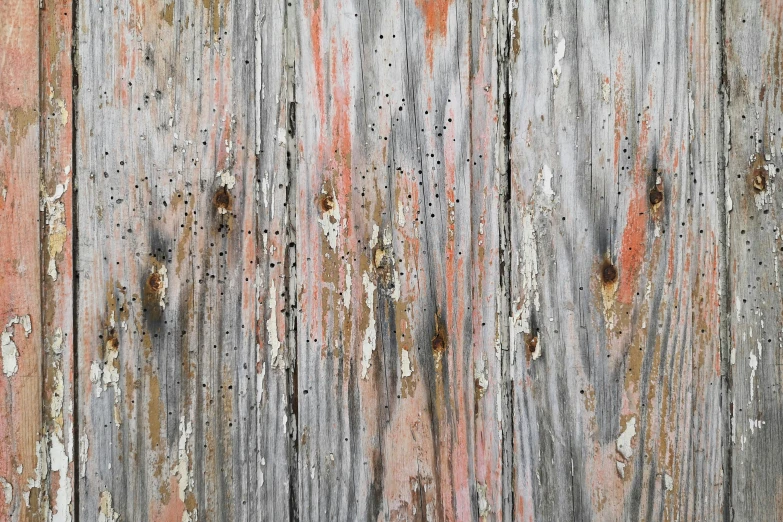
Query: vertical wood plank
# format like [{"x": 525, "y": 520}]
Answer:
[
  {"x": 753, "y": 153},
  {"x": 396, "y": 221},
  {"x": 167, "y": 357},
  {"x": 276, "y": 205},
  {"x": 615, "y": 342},
  {"x": 23, "y": 457},
  {"x": 56, "y": 19}
]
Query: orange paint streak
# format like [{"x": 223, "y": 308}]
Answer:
[
  {"x": 634, "y": 240},
  {"x": 171, "y": 512},
  {"x": 312, "y": 12},
  {"x": 435, "y": 14},
  {"x": 633, "y": 246}
]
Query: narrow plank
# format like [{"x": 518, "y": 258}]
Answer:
[
  {"x": 276, "y": 205},
  {"x": 753, "y": 153},
  {"x": 615, "y": 224},
  {"x": 166, "y": 260},
  {"x": 23, "y": 457},
  {"x": 396, "y": 222},
  {"x": 56, "y": 20}
]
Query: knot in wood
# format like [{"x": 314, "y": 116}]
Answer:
[
  {"x": 609, "y": 273},
  {"x": 155, "y": 282},
  {"x": 532, "y": 343},
  {"x": 656, "y": 196},
  {"x": 326, "y": 203},
  {"x": 759, "y": 179},
  {"x": 222, "y": 199}
]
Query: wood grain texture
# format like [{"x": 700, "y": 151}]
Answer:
[
  {"x": 753, "y": 141},
  {"x": 276, "y": 317},
  {"x": 56, "y": 206},
  {"x": 397, "y": 261},
  {"x": 400, "y": 260},
  {"x": 166, "y": 298},
  {"x": 23, "y": 454},
  {"x": 615, "y": 342}
]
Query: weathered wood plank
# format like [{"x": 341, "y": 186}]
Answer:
[
  {"x": 276, "y": 205},
  {"x": 56, "y": 19},
  {"x": 396, "y": 227},
  {"x": 753, "y": 143},
  {"x": 166, "y": 297},
  {"x": 615, "y": 225},
  {"x": 23, "y": 454}
]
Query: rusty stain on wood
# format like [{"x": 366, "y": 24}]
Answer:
[{"x": 431, "y": 260}]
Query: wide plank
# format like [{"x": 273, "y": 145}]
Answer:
[
  {"x": 166, "y": 174},
  {"x": 614, "y": 261},
  {"x": 397, "y": 263}
]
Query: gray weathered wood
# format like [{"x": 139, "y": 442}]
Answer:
[
  {"x": 166, "y": 139},
  {"x": 754, "y": 306},
  {"x": 397, "y": 261},
  {"x": 400, "y": 260},
  {"x": 614, "y": 261}
]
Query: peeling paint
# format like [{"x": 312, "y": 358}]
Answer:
[
  {"x": 481, "y": 376},
  {"x": 405, "y": 363},
  {"x": 41, "y": 472},
  {"x": 400, "y": 215},
  {"x": 96, "y": 373},
  {"x": 537, "y": 349},
  {"x": 625, "y": 438},
  {"x": 330, "y": 218},
  {"x": 753, "y": 362},
  {"x": 260, "y": 383},
  {"x": 57, "y": 233},
  {"x": 8, "y": 349},
  {"x": 559, "y": 55},
  {"x": 348, "y": 283},
  {"x": 106, "y": 374},
  {"x": 368, "y": 344},
  {"x": 59, "y": 463},
  {"x": 271, "y": 326},
  {"x": 106, "y": 511},
  {"x": 159, "y": 283},
  {"x": 483, "y": 505},
  {"x": 527, "y": 266},
  {"x": 546, "y": 177},
  {"x": 755, "y": 424},
  {"x": 84, "y": 451},
  {"x": 182, "y": 471},
  {"x": 8, "y": 491},
  {"x": 226, "y": 179}
]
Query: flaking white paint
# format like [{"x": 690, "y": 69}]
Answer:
[
  {"x": 8, "y": 348},
  {"x": 625, "y": 438},
  {"x": 559, "y": 55},
  {"x": 368, "y": 343}
]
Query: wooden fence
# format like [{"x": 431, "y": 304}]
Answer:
[{"x": 391, "y": 260}]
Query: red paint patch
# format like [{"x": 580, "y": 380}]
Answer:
[{"x": 435, "y": 14}]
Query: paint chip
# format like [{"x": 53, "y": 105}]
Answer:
[
  {"x": 106, "y": 511},
  {"x": 624, "y": 440},
  {"x": 405, "y": 363},
  {"x": 277, "y": 360},
  {"x": 8, "y": 491},
  {"x": 559, "y": 55},
  {"x": 368, "y": 343},
  {"x": 8, "y": 348}
]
